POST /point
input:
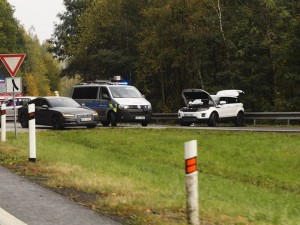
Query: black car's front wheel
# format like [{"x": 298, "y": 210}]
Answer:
[{"x": 57, "y": 123}]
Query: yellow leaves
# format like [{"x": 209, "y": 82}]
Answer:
[
  {"x": 31, "y": 85},
  {"x": 36, "y": 86}
]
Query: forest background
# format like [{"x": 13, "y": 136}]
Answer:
[{"x": 165, "y": 46}]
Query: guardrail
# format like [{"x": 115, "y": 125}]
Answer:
[{"x": 248, "y": 116}]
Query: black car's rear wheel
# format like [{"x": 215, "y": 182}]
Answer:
[
  {"x": 57, "y": 123},
  {"x": 24, "y": 120}
]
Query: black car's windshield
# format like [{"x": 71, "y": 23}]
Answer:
[
  {"x": 63, "y": 102},
  {"x": 125, "y": 92}
]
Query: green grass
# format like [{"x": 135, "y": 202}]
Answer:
[{"x": 244, "y": 177}]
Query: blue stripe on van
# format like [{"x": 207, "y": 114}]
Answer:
[{"x": 97, "y": 105}]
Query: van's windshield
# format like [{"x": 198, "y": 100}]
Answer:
[{"x": 125, "y": 92}]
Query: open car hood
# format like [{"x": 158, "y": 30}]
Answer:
[
  {"x": 230, "y": 93},
  {"x": 189, "y": 95}
]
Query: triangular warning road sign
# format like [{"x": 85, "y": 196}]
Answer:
[{"x": 12, "y": 62}]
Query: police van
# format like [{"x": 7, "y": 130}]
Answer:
[{"x": 114, "y": 100}]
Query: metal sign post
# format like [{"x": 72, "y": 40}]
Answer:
[
  {"x": 15, "y": 118},
  {"x": 13, "y": 85}
]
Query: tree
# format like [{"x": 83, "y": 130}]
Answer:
[
  {"x": 106, "y": 42},
  {"x": 66, "y": 32},
  {"x": 8, "y": 32},
  {"x": 52, "y": 68}
]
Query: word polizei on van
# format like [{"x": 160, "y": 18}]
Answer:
[{"x": 114, "y": 100}]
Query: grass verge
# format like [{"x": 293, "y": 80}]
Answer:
[{"x": 138, "y": 174}]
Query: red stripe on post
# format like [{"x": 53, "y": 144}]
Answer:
[
  {"x": 31, "y": 116},
  {"x": 191, "y": 165},
  {"x": 190, "y": 162},
  {"x": 3, "y": 112}
]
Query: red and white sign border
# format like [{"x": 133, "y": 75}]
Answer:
[{"x": 3, "y": 59}]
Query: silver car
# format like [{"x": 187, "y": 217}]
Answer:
[{"x": 19, "y": 101}]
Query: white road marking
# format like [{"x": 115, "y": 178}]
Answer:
[{"x": 7, "y": 219}]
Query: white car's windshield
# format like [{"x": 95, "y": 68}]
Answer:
[{"x": 125, "y": 92}]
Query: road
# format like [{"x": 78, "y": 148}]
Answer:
[
  {"x": 288, "y": 129},
  {"x": 23, "y": 202}
]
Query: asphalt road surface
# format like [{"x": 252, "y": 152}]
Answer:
[
  {"x": 23, "y": 202},
  {"x": 287, "y": 129}
]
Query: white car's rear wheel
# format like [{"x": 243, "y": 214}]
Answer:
[{"x": 239, "y": 122}]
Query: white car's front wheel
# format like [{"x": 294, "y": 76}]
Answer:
[{"x": 213, "y": 119}]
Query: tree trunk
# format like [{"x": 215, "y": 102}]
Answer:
[
  {"x": 162, "y": 90},
  {"x": 270, "y": 41},
  {"x": 219, "y": 13}
]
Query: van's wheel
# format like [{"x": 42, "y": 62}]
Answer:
[
  {"x": 212, "y": 121},
  {"x": 239, "y": 121},
  {"x": 113, "y": 119},
  {"x": 144, "y": 123},
  {"x": 24, "y": 120},
  {"x": 185, "y": 124},
  {"x": 56, "y": 123}
]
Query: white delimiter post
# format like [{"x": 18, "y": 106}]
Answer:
[
  {"x": 3, "y": 122},
  {"x": 191, "y": 182},
  {"x": 32, "y": 140}
]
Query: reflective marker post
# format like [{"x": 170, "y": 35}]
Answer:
[
  {"x": 191, "y": 182},
  {"x": 32, "y": 140},
  {"x": 3, "y": 122}
]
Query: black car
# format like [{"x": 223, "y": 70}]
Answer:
[{"x": 58, "y": 112}]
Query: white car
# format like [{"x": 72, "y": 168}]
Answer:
[
  {"x": 201, "y": 107},
  {"x": 19, "y": 101}
]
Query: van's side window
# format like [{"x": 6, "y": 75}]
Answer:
[
  {"x": 85, "y": 93},
  {"x": 103, "y": 91}
]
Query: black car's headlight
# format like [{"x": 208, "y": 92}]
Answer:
[{"x": 68, "y": 115}]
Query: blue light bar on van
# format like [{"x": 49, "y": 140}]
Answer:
[{"x": 122, "y": 83}]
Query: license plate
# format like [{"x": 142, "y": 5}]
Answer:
[
  {"x": 85, "y": 119},
  {"x": 139, "y": 117},
  {"x": 186, "y": 114}
]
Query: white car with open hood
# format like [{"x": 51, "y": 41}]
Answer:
[{"x": 201, "y": 107}]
